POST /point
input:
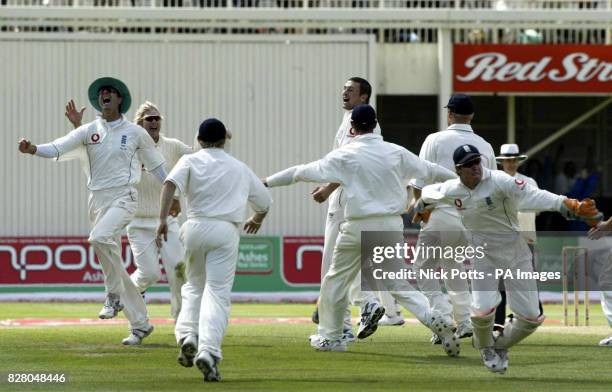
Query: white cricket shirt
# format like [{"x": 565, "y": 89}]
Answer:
[
  {"x": 440, "y": 146},
  {"x": 527, "y": 219},
  {"x": 114, "y": 152},
  {"x": 345, "y": 135},
  {"x": 149, "y": 188},
  {"x": 373, "y": 173},
  {"x": 218, "y": 186},
  {"x": 490, "y": 210}
]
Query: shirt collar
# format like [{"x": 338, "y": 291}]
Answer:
[
  {"x": 460, "y": 127},
  {"x": 214, "y": 150},
  {"x": 112, "y": 124},
  {"x": 367, "y": 136}
]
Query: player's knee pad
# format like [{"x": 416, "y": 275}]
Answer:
[{"x": 516, "y": 330}]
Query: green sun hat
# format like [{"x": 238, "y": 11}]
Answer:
[{"x": 110, "y": 82}]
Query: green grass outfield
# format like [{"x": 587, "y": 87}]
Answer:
[{"x": 277, "y": 356}]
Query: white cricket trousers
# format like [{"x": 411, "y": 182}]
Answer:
[
  {"x": 521, "y": 294},
  {"x": 356, "y": 296},
  {"x": 211, "y": 253},
  {"x": 346, "y": 263},
  {"x": 110, "y": 210},
  {"x": 147, "y": 254},
  {"x": 444, "y": 229}
]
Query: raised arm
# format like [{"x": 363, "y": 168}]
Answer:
[
  {"x": 418, "y": 168},
  {"x": 56, "y": 148},
  {"x": 530, "y": 198},
  {"x": 323, "y": 170},
  {"x": 73, "y": 115}
]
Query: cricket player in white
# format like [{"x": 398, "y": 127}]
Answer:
[
  {"x": 605, "y": 278},
  {"x": 218, "y": 188},
  {"x": 488, "y": 202},
  {"x": 373, "y": 175},
  {"x": 113, "y": 149},
  {"x": 510, "y": 159},
  {"x": 444, "y": 226},
  {"x": 356, "y": 91},
  {"x": 141, "y": 230}
]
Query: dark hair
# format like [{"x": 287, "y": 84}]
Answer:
[
  {"x": 364, "y": 87},
  {"x": 364, "y": 128}
]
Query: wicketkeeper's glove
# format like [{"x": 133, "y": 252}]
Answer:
[
  {"x": 422, "y": 212},
  {"x": 584, "y": 210}
]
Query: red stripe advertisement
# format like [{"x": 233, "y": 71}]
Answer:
[
  {"x": 532, "y": 68},
  {"x": 53, "y": 260}
]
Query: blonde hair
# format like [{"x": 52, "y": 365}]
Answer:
[{"x": 144, "y": 108}]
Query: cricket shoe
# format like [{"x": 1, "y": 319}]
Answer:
[
  {"x": 435, "y": 339},
  {"x": 607, "y": 342},
  {"x": 369, "y": 319},
  {"x": 347, "y": 336},
  {"x": 392, "y": 321},
  {"x": 189, "y": 349},
  {"x": 503, "y": 355},
  {"x": 451, "y": 345},
  {"x": 324, "y": 344},
  {"x": 465, "y": 330},
  {"x": 111, "y": 307},
  {"x": 136, "y": 335},
  {"x": 314, "y": 340},
  {"x": 207, "y": 363},
  {"x": 444, "y": 327},
  {"x": 491, "y": 360}
]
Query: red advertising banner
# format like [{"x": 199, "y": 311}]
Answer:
[
  {"x": 302, "y": 257},
  {"x": 53, "y": 260},
  {"x": 532, "y": 68}
]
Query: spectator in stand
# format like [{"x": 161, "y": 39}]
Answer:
[{"x": 564, "y": 181}]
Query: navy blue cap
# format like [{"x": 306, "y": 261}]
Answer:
[
  {"x": 460, "y": 104},
  {"x": 211, "y": 131},
  {"x": 464, "y": 154},
  {"x": 363, "y": 115}
]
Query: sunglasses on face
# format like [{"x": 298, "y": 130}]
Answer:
[
  {"x": 152, "y": 118},
  {"x": 109, "y": 89},
  {"x": 471, "y": 163}
]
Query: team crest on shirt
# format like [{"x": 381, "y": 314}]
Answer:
[
  {"x": 94, "y": 138},
  {"x": 123, "y": 142},
  {"x": 459, "y": 204},
  {"x": 489, "y": 202}
]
